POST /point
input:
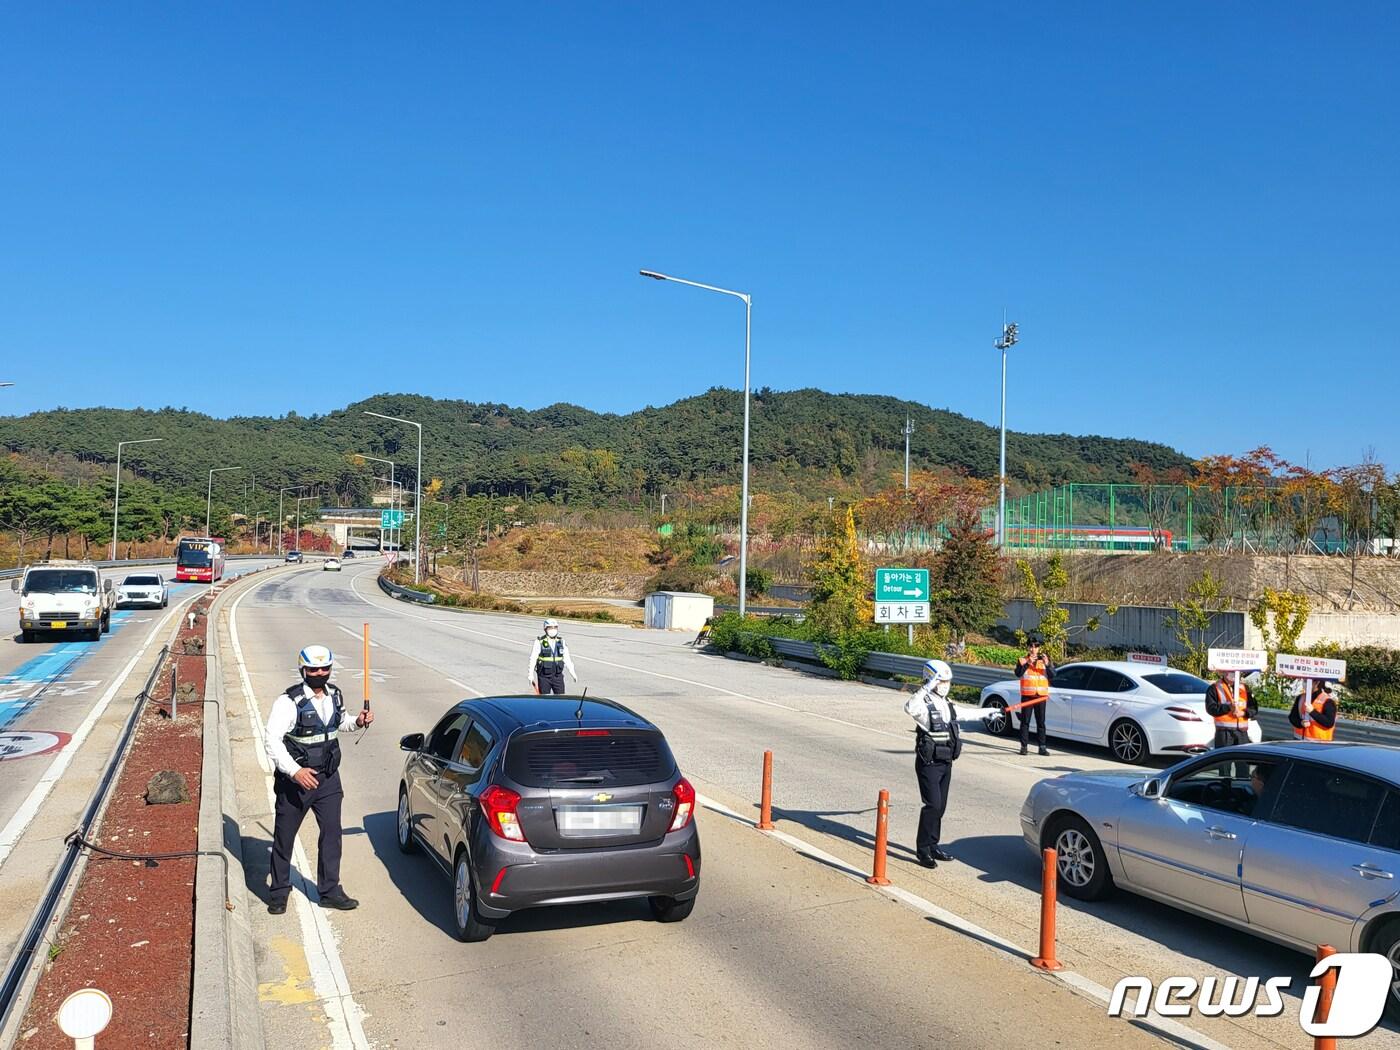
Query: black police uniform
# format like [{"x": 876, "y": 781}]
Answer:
[
  {"x": 315, "y": 745},
  {"x": 549, "y": 665},
  {"x": 934, "y": 753}
]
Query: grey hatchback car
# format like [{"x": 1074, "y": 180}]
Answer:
[{"x": 527, "y": 801}]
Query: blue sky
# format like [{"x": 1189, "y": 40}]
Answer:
[{"x": 271, "y": 207}]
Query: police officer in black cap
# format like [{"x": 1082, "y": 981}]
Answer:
[{"x": 303, "y": 742}]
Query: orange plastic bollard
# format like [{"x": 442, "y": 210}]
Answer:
[
  {"x": 1046, "y": 959},
  {"x": 1328, "y": 981},
  {"x": 882, "y": 837},
  {"x": 765, "y": 809}
]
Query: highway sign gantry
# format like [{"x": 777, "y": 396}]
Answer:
[{"x": 901, "y": 596}]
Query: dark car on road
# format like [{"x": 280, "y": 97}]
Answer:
[{"x": 527, "y": 801}]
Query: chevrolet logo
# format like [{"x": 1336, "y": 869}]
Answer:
[{"x": 602, "y": 796}]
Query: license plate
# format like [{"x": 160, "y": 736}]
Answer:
[
  {"x": 56, "y": 624},
  {"x": 599, "y": 818}
]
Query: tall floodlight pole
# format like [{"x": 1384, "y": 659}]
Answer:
[
  {"x": 744, "y": 493},
  {"x": 417, "y": 495},
  {"x": 281, "y": 520},
  {"x": 908, "y": 430},
  {"x": 209, "y": 497},
  {"x": 117, "y": 499},
  {"x": 1005, "y": 343},
  {"x": 663, "y": 504}
]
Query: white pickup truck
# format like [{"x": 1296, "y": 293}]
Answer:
[{"x": 64, "y": 597}]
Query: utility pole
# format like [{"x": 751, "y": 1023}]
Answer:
[
  {"x": 908, "y": 430},
  {"x": 1005, "y": 343}
]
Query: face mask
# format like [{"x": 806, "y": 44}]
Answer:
[
  {"x": 316, "y": 679},
  {"x": 553, "y": 632},
  {"x": 941, "y": 688}
]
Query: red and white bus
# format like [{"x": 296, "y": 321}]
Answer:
[{"x": 199, "y": 559}]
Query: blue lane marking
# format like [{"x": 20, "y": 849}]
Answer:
[{"x": 21, "y": 688}]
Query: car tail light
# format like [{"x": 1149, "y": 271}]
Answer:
[
  {"x": 1184, "y": 714},
  {"x": 499, "y": 804},
  {"x": 593, "y": 732},
  {"x": 684, "y": 795}
]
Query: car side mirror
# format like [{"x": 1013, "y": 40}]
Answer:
[
  {"x": 1149, "y": 789},
  {"x": 412, "y": 742}
]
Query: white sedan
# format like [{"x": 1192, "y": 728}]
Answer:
[
  {"x": 145, "y": 588},
  {"x": 330, "y": 565},
  {"x": 1132, "y": 709}
]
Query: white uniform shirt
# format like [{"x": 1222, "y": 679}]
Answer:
[
  {"x": 564, "y": 651},
  {"x": 916, "y": 707},
  {"x": 284, "y": 716}
]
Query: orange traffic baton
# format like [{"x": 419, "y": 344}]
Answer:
[
  {"x": 765, "y": 808},
  {"x": 882, "y": 837},
  {"x": 1046, "y": 959},
  {"x": 1328, "y": 983}
]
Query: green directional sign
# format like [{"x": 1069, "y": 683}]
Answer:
[
  {"x": 393, "y": 519},
  {"x": 901, "y": 585}
]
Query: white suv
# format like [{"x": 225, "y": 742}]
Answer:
[{"x": 64, "y": 597}]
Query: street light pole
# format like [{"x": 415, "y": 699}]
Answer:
[
  {"x": 744, "y": 488},
  {"x": 281, "y": 521},
  {"x": 117, "y": 498},
  {"x": 300, "y": 501},
  {"x": 417, "y": 495},
  {"x": 908, "y": 429},
  {"x": 209, "y": 497},
  {"x": 378, "y": 459},
  {"x": 663, "y": 504},
  {"x": 1005, "y": 343}
]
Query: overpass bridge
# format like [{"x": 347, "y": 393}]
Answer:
[{"x": 347, "y": 523}]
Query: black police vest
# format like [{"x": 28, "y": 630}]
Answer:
[
  {"x": 551, "y": 654},
  {"x": 941, "y": 741},
  {"x": 312, "y": 742}
]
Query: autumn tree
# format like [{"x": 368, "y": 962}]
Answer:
[
  {"x": 840, "y": 579},
  {"x": 965, "y": 577}
]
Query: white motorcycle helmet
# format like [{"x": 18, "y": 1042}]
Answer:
[{"x": 940, "y": 674}]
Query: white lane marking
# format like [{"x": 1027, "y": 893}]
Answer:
[
  {"x": 344, "y": 1016},
  {"x": 354, "y": 634},
  {"x": 947, "y": 918},
  {"x": 29, "y": 808},
  {"x": 463, "y": 685}
]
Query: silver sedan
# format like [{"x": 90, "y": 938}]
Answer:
[{"x": 1297, "y": 842}]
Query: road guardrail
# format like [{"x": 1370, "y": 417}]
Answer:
[{"x": 405, "y": 594}]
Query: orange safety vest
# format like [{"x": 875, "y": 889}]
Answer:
[
  {"x": 1238, "y": 717},
  {"x": 1313, "y": 731},
  {"x": 1034, "y": 681}
]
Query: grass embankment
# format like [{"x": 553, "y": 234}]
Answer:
[
  {"x": 545, "y": 548},
  {"x": 457, "y": 595}
]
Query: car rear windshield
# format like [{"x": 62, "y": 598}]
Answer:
[
  {"x": 1178, "y": 683},
  {"x": 61, "y": 581},
  {"x": 141, "y": 581},
  {"x": 612, "y": 758}
]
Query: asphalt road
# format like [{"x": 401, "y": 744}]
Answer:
[
  {"x": 836, "y": 745},
  {"x": 71, "y": 698},
  {"x": 780, "y": 952}
]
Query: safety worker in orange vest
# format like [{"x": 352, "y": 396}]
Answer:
[
  {"x": 1232, "y": 708},
  {"x": 1035, "y": 671},
  {"x": 1314, "y": 719}
]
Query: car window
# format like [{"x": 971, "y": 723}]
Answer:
[
  {"x": 1105, "y": 681},
  {"x": 475, "y": 746},
  {"x": 1072, "y": 677},
  {"x": 1177, "y": 683},
  {"x": 442, "y": 744},
  {"x": 1386, "y": 833},
  {"x": 1231, "y": 785},
  {"x": 141, "y": 581},
  {"x": 1328, "y": 801}
]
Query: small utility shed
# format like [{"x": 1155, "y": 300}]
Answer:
[{"x": 678, "y": 610}]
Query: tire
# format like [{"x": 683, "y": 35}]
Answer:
[
  {"x": 26, "y": 637},
  {"x": 1386, "y": 941},
  {"x": 668, "y": 909},
  {"x": 1128, "y": 742},
  {"x": 1081, "y": 862},
  {"x": 107, "y": 624},
  {"x": 1002, "y": 724},
  {"x": 465, "y": 922},
  {"x": 404, "y": 824}
]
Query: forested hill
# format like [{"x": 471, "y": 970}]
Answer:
[{"x": 800, "y": 439}]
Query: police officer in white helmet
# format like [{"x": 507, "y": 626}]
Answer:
[
  {"x": 549, "y": 659},
  {"x": 302, "y": 739},
  {"x": 938, "y": 746}
]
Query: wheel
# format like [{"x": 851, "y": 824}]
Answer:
[
  {"x": 1000, "y": 724},
  {"x": 464, "y": 917},
  {"x": 26, "y": 637},
  {"x": 407, "y": 843},
  {"x": 107, "y": 624},
  {"x": 1386, "y": 941},
  {"x": 1082, "y": 866},
  {"x": 164, "y": 602},
  {"x": 668, "y": 909},
  {"x": 1127, "y": 741}
]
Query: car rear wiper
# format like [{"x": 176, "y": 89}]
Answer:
[{"x": 582, "y": 780}]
